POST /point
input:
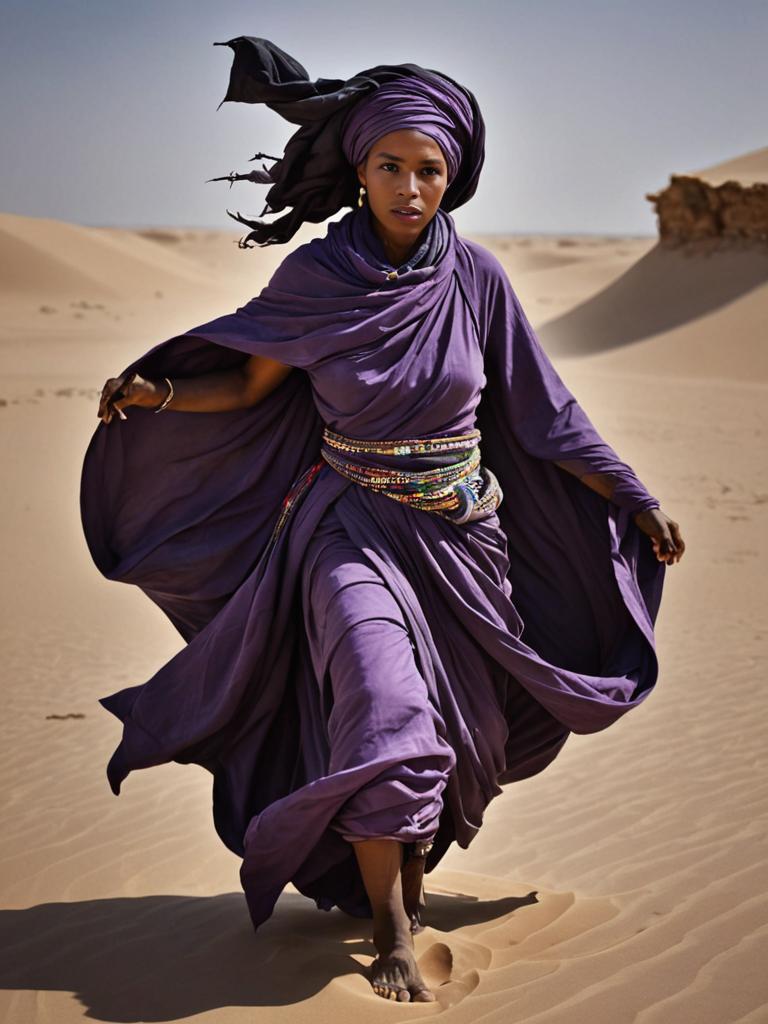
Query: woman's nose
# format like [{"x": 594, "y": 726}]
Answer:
[{"x": 408, "y": 185}]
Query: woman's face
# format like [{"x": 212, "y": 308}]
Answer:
[{"x": 404, "y": 171}]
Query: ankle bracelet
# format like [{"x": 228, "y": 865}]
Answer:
[{"x": 422, "y": 847}]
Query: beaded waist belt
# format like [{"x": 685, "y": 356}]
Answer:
[{"x": 451, "y": 481}]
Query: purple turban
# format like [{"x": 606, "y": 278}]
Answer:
[
  {"x": 339, "y": 120},
  {"x": 440, "y": 111}
]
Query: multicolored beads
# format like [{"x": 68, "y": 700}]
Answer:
[
  {"x": 401, "y": 446},
  {"x": 451, "y": 489},
  {"x": 458, "y": 488}
]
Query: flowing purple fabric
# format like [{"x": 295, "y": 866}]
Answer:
[{"x": 375, "y": 670}]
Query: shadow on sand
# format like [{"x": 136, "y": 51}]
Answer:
[
  {"x": 664, "y": 289},
  {"x": 162, "y": 958}
]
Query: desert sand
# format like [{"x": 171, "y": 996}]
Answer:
[{"x": 627, "y": 883}]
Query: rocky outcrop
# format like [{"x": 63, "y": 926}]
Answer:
[{"x": 729, "y": 201}]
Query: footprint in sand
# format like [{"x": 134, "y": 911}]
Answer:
[
  {"x": 435, "y": 964},
  {"x": 453, "y": 973}
]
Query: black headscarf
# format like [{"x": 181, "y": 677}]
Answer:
[{"x": 313, "y": 177}]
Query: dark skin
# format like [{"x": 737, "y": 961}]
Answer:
[{"x": 403, "y": 169}]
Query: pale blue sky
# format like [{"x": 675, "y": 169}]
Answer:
[{"x": 109, "y": 108}]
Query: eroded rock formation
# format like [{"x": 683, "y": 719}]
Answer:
[{"x": 690, "y": 208}]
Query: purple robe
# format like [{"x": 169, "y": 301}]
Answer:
[{"x": 373, "y": 669}]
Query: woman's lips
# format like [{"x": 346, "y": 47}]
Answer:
[{"x": 407, "y": 215}]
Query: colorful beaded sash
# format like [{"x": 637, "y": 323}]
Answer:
[{"x": 452, "y": 482}]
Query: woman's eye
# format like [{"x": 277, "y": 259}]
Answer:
[{"x": 429, "y": 170}]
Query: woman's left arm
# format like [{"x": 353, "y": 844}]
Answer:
[{"x": 548, "y": 421}]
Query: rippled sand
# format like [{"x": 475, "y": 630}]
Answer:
[{"x": 625, "y": 884}]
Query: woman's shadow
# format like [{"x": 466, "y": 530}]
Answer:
[{"x": 161, "y": 958}]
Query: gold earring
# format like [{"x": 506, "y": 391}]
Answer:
[{"x": 360, "y": 197}]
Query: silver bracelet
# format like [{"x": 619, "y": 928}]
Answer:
[{"x": 168, "y": 397}]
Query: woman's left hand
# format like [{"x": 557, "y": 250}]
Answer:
[{"x": 668, "y": 544}]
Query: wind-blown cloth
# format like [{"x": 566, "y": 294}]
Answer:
[
  {"x": 314, "y": 176},
  {"x": 527, "y": 624}
]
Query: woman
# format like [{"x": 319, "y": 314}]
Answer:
[{"x": 405, "y": 564}]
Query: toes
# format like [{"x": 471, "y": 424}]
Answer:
[
  {"x": 391, "y": 990},
  {"x": 401, "y": 995},
  {"x": 400, "y": 982}
]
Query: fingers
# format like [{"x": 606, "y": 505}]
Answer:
[
  {"x": 668, "y": 544},
  {"x": 106, "y": 391},
  {"x": 114, "y": 395},
  {"x": 669, "y": 547},
  {"x": 106, "y": 401},
  {"x": 118, "y": 401},
  {"x": 679, "y": 542}
]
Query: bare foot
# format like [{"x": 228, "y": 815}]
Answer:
[{"x": 394, "y": 972}]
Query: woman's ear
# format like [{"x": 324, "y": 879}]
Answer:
[{"x": 361, "y": 173}]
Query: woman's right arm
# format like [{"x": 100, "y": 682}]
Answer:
[{"x": 211, "y": 392}]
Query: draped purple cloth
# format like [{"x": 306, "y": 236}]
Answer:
[
  {"x": 443, "y": 113},
  {"x": 524, "y": 626}
]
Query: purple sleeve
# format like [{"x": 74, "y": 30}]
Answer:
[{"x": 543, "y": 414}]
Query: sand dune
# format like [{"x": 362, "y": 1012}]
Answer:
[
  {"x": 47, "y": 258},
  {"x": 627, "y": 883},
  {"x": 681, "y": 305},
  {"x": 749, "y": 169},
  {"x": 77, "y": 299}
]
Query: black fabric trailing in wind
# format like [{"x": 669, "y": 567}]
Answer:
[{"x": 313, "y": 178}]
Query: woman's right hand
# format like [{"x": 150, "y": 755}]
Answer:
[{"x": 129, "y": 389}]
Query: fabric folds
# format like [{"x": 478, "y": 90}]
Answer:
[{"x": 521, "y": 627}]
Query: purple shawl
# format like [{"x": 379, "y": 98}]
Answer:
[{"x": 182, "y": 505}]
